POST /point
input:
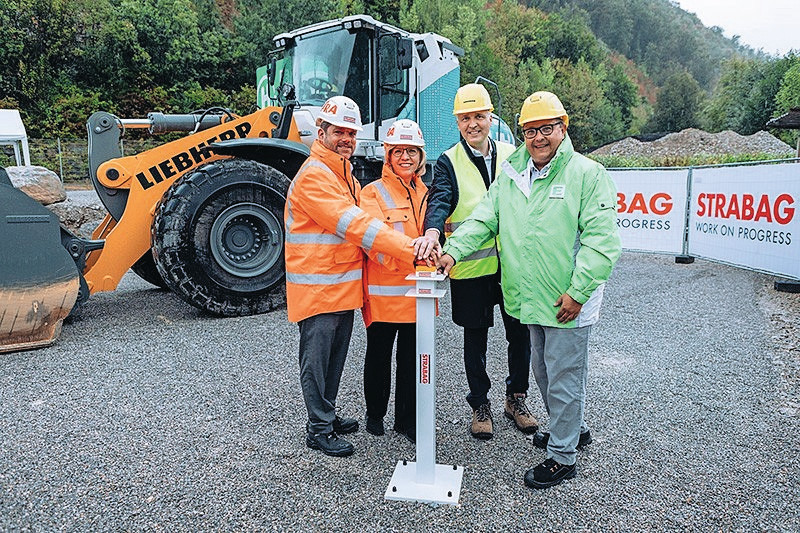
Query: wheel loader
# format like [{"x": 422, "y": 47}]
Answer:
[{"x": 203, "y": 215}]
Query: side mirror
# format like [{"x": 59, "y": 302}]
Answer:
[{"x": 405, "y": 54}]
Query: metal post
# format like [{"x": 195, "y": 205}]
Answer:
[
  {"x": 685, "y": 258},
  {"x": 60, "y": 160},
  {"x": 425, "y": 481}
]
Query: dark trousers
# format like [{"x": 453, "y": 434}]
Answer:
[
  {"x": 378, "y": 372},
  {"x": 519, "y": 359},
  {"x": 473, "y": 309},
  {"x": 324, "y": 341}
]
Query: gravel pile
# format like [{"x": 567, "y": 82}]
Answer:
[
  {"x": 690, "y": 142},
  {"x": 149, "y": 415}
]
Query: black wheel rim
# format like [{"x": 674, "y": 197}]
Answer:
[{"x": 246, "y": 240}]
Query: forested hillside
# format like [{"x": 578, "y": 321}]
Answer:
[{"x": 620, "y": 66}]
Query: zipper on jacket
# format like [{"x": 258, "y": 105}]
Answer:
[
  {"x": 352, "y": 190},
  {"x": 411, "y": 201}
]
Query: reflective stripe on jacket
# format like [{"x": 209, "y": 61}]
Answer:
[
  {"x": 472, "y": 189},
  {"x": 327, "y": 235},
  {"x": 401, "y": 207},
  {"x": 538, "y": 254}
]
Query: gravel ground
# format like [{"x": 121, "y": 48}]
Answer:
[{"x": 147, "y": 415}]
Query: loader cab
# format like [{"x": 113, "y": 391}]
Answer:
[
  {"x": 375, "y": 64},
  {"x": 390, "y": 73}
]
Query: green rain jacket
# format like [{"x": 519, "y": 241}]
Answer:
[{"x": 561, "y": 238}]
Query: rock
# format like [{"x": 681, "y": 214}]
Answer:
[
  {"x": 39, "y": 183},
  {"x": 81, "y": 213}
]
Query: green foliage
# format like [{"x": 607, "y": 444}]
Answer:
[
  {"x": 525, "y": 50},
  {"x": 622, "y": 94},
  {"x": 678, "y": 105},
  {"x": 382, "y": 10},
  {"x": 744, "y": 98},
  {"x": 657, "y": 34},
  {"x": 788, "y": 97},
  {"x": 60, "y": 60},
  {"x": 69, "y": 113},
  {"x": 617, "y": 161},
  {"x": 37, "y": 48}
]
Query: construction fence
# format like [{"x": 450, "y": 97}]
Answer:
[
  {"x": 69, "y": 158},
  {"x": 741, "y": 214}
]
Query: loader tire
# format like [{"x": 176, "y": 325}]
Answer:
[
  {"x": 218, "y": 238},
  {"x": 146, "y": 269}
]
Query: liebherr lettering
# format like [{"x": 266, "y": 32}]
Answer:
[{"x": 170, "y": 168}]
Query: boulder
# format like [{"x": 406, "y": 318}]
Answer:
[{"x": 39, "y": 183}]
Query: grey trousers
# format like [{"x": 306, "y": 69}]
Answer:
[
  {"x": 324, "y": 341},
  {"x": 560, "y": 360}
]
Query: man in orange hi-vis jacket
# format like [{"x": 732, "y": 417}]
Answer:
[{"x": 326, "y": 237}]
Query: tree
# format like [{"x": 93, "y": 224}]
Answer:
[
  {"x": 621, "y": 93},
  {"x": 678, "y": 105},
  {"x": 788, "y": 97}
]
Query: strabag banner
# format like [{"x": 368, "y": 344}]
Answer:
[
  {"x": 651, "y": 209},
  {"x": 747, "y": 216}
]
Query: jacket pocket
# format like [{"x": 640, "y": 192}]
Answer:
[{"x": 398, "y": 214}]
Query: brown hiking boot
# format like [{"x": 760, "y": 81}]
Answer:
[
  {"x": 517, "y": 411},
  {"x": 482, "y": 422}
]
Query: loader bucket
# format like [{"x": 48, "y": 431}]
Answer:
[{"x": 39, "y": 281}]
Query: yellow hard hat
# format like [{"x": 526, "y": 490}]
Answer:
[
  {"x": 472, "y": 97},
  {"x": 542, "y": 105}
]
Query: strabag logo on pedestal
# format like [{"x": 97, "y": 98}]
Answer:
[{"x": 424, "y": 368}]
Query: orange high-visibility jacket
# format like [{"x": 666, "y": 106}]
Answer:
[
  {"x": 326, "y": 232},
  {"x": 401, "y": 207}
]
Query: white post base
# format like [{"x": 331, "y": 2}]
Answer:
[{"x": 446, "y": 487}]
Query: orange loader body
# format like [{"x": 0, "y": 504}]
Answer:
[{"x": 147, "y": 177}]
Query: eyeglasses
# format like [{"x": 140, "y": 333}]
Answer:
[
  {"x": 546, "y": 130},
  {"x": 398, "y": 152}
]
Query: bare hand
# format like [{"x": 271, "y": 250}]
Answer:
[
  {"x": 445, "y": 263},
  {"x": 569, "y": 308},
  {"x": 425, "y": 245},
  {"x": 431, "y": 257}
]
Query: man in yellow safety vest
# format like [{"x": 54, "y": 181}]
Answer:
[{"x": 461, "y": 178}]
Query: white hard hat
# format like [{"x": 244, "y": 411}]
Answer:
[
  {"x": 341, "y": 111},
  {"x": 405, "y": 131}
]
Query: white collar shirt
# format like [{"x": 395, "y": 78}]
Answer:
[{"x": 487, "y": 159}]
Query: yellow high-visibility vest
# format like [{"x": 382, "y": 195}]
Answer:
[{"x": 471, "y": 190}]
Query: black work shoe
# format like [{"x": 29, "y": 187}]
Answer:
[
  {"x": 548, "y": 473},
  {"x": 345, "y": 425},
  {"x": 541, "y": 438},
  {"x": 329, "y": 444},
  {"x": 410, "y": 434},
  {"x": 375, "y": 426}
]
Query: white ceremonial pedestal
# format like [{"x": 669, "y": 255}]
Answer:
[{"x": 424, "y": 480}]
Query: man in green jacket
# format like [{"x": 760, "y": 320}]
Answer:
[{"x": 554, "y": 211}]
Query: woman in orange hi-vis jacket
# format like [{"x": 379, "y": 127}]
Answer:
[{"x": 398, "y": 199}]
